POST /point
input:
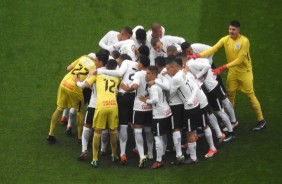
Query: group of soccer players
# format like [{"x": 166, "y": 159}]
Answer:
[{"x": 150, "y": 82}]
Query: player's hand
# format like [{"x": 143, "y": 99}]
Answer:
[
  {"x": 150, "y": 83},
  {"x": 190, "y": 102},
  {"x": 193, "y": 56},
  {"x": 125, "y": 87},
  {"x": 143, "y": 98},
  {"x": 218, "y": 70}
]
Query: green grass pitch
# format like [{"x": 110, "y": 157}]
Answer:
[{"x": 39, "y": 39}]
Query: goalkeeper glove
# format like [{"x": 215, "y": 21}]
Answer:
[
  {"x": 218, "y": 70},
  {"x": 193, "y": 56}
]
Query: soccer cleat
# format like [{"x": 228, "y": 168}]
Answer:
[
  {"x": 157, "y": 165},
  {"x": 260, "y": 125},
  {"x": 179, "y": 160},
  {"x": 135, "y": 151},
  {"x": 51, "y": 139},
  {"x": 64, "y": 119},
  {"x": 211, "y": 153},
  {"x": 114, "y": 159},
  {"x": 150, "y": 156},
  {"x": 142, "y": 162},
  {"x": 94, "y": 163},
  {"x": 233, "y": 124},
  {"x": 229, "y": 137},
  {"x": 103, "y": 153},
  {"x": 220, "y": 140},
  {"x": 68, "y": 130},
  {"x": 83, "y": 156},
  {"x": 190, "y": 161},
  {"x": 123, "y": 160}
]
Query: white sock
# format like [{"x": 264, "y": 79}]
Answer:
[
  {"x": 86, "y": 133},
  {"x": 159, "y": 148},
  {"x": 139, "y": 141},
  {"x": 66, "y": 112},
  {"x": 72, "y": 116},
  {"x": 208, "y": 134},
  {"x": 176, "y": 136},
  {"x": 192, "y": 149},
  {"x": 229, "y": 109},
  {"x": 123, "y": 138},
  {"x": 225, "y": 119},
  {"x": 104, "y": 139},
  {"x": 164, "y": 138},
  {"x": 214, "y": 124},
  {"x": 149, "y": 139}
]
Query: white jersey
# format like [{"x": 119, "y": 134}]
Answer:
[
  {"x": 199, "y": 67},
  {"x": 92, "y": 102},
  {"x": 126, "y": 71},
  {"x": 210, "y": 81},
  {"x": 187, "y": 90},
  {"x": 199, "y": 47},
  {"x": 126, "y": 47},
  {"x": 200, "y": 95},
  {"x": 164, "y": 81},
  {"x": 142, "y": 90},
  {"x": 149, "y": 36},
  {"x": 166, "y": 41},
  {"x": 158, "y": 101},
  {"x": 108, "y": 40}
]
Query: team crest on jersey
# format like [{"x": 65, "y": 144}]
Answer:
[{"x": 237, "y": 46}]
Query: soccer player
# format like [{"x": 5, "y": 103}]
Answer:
[
  {"x": 113, "y": 37},
  {"x": 182, "y": 86},
  {"x": 69, "y": 95},
  {"x": 142, "y": 112},
  {"x": 161, "y": 113},
  {"x": 126, "y": 47},
  {"x": 127, "y": 69},
  {"x": 139, "y": 36},
  {"x": 239, "y": 64}
]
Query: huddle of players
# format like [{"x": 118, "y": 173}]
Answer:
[{"x": 160, "y": 91}]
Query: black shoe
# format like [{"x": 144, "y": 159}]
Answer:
[
  {"x": 83, "y": 156},
  {"x": 78, "y": 141},
  {"x": 229, "y": 136},
  {"x": 51, "y": 139},
  {"x": 260, "y": 125},
  {"x": 190, "y": 161},
  {"x": 68, "y": 131}
]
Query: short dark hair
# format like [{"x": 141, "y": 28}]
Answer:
[
  {"x": 172, "y": 60},
  {"x": 102, "y": 57},
  {"x": 160, "y": 61},
  {"x": 111, "y": 64},
  {"x": 169, "y": 59},
  {"x": 184, "y": 46},
  {"x": 153, "y": 68},
  {"x": 235, "y": 23},
  {"x": 144, "y": 60},
  {"x": 144, "y": 50},
  {"x": 141, "y": 34},
  {"x": 154, "y": 41},
  {"x": 181, "y": 55},
  {"x": 115, "y": 54},
  {"x": 124, "y": 57},
  {"x": 171, "y": 48},
  {"x": 128, "y": 30},
  {"x": 104, "y": 51}
]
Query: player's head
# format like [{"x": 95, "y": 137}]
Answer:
[
  {"x": 160, "y": 63},
  {"x": 173, "y": 65},
  {"x": 101, "y": 59},
  {"x": 151, "y": 73},
  {"x": 122, "y": 57},
  {"x": 186, "y": 48},
  {"x": 115, "y": 54},
  {"x": 111, "y": 64},
  {"x": 171, "y": 50},
  {"x": 141, "y": 36},
  {"x": 143, "y": 62},
  {"x": 183, "y": 57},
  {"x": 125, "y": 33},
  {"x": 143, "y": 50},
  {"x": 157, "y": 30},
  {"x": 234, "y": 29},
  {"x": 157, "y": 44}
]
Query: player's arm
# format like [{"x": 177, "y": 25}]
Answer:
[
  {"x": 87, "y": 82},
  {"x": 119, "y": 72},
  {"x": 203, "y": 67},
  {"x": 154, "y": 97},
  {"x": 195, "y": 90},
  {"x": 175, "y": 39},
  {"x": 213, "y": 49},
  {"x": 175, "y": 84},
  {"x": 72, "y": 65},
  {"x": 243, "y": 53},
  {"x": 163, "y": 82},
  {"x": 103, "y": 42}
]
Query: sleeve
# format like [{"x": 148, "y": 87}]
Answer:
[
  {"x": 119, "y": 72},
  {"x": 241, "y": 55},
  {"x": 194, "y": 92},
  {"x": 73, "y": 64},
  {"x": 175, "y": 39},
  {"x": 175, "y": 84},
  {"x": 103, "y": 43},
  {"x": 201, "y": 66},
  {"x": 118, "y": 45},
  {"x": 136, "y": 78},
  {"x": 154, "y": 97},
  {"x": 91, "y": 79},
  {"x": 163, "y": 82},
  {"x": 214, "y": 48}
]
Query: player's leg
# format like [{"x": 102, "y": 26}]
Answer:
[
  {"x": 232, "y": 85},
  {"x": 95, "y": 146},
  {"x": 112, "y": 125},
  {"x": 148, "y": 133},
  {"x": 104, "y": 141},
  {"x": 65, "y": 116},
  {"x": 54, "y": 120},
  {"x": 214, "y": 124},
  {"x": 71, "y": 121},
  {"x": 79, "y": 123}
]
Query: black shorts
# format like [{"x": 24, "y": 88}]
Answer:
[
  {"x": 192, "y": 118},
  {"x": 89, "y": 116},
  {"x": 177, "y": 116},
  {"x": 125, "y": 107},
  {"x": 204, "y": 115},
  {"x": 87, "y": 95},
  {"x": 215, "y": 98},
  {"x": 144, "y": 118},
  {"x": 161, "y": 126}
]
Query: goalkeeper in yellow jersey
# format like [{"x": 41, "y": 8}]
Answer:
[
  {"x": 69, "y": 95},
  {"x": 239, "y": 64}
]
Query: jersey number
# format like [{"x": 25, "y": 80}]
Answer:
[
  {"x": 109, "y": 85},
  {"x": 80, "y": 70}
]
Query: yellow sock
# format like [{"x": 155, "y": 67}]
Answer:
[
  {"x": 96, "y": 145},
  {"x": 55, "y": 119},
  {"x": 113, "y": 140},
  {"x": 256, "y": 105},
  {"x": 80, "y": 119}
]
